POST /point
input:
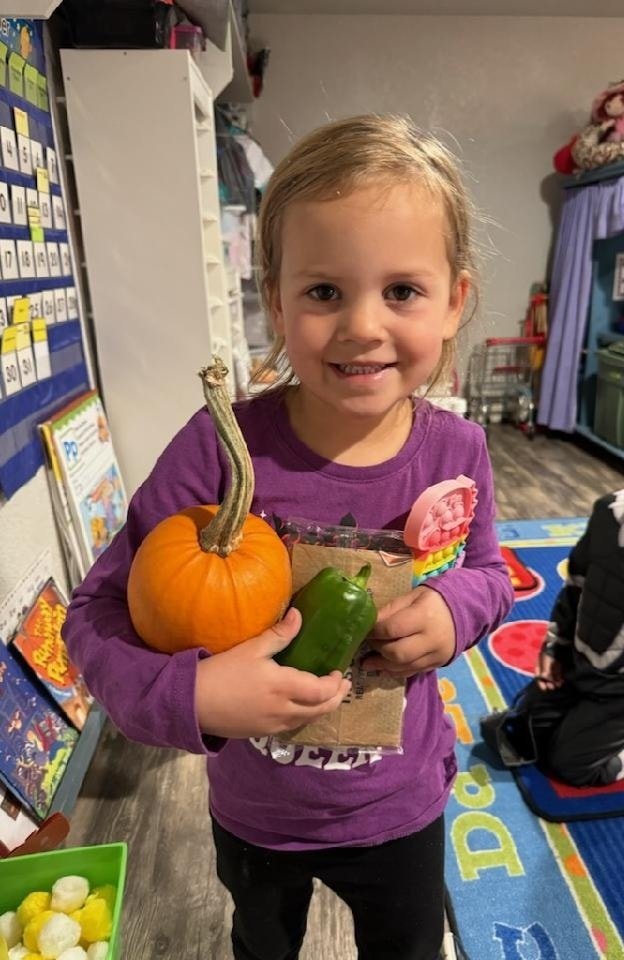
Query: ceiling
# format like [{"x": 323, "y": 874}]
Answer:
[{"x": 511, "y": 8}]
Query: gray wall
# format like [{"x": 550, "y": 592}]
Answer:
[{"x": 504, "y": 92}]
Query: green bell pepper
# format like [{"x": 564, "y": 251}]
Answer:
[{"x": 337, "y": 612}]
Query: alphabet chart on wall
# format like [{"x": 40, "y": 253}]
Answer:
[{"x": 42, "y": 358}]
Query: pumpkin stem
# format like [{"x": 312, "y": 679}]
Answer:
[{"x": 224, "y": 532}]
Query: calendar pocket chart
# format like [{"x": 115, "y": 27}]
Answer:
[{"x": 42, "y": 355}]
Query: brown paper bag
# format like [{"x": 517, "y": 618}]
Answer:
[{"x": 372, "y": 715}]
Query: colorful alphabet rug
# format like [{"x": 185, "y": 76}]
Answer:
[{"x": 521, "y": 886}]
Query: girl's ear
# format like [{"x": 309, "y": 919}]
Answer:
[{"x": 459, "y": 294}]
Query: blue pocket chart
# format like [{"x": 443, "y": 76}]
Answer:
[{"x": 42, "y": 356}]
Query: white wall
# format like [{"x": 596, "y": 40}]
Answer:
[{"x": 505, "y": 92}]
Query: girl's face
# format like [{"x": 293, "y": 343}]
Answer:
[{"x": 365, "y": 298}]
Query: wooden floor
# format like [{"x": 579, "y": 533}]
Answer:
[{"x": 156, "y": 800}]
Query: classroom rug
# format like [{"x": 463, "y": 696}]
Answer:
[{"x": 522, "y": 887}]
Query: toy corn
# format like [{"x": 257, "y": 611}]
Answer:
[
  {"x": 30, "y": 937},
  {"x": 18, "y": 952},
  {"x": 95, "y": 919},
  {"x": 69, "y": 894},
  {"x": 10, "y": 929},
  {"x": 98, "y": 951},
  {"x": 36, "y": 902},
  {"x": 57, "y": 934}
]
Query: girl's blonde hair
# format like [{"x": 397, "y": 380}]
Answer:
[{"x": 336, "y": 159}]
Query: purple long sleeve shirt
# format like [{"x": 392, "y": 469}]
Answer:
[{"x": 306, "y": 798}]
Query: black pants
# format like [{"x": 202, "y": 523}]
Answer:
[
  {"x": 577, "y": 735},
  {"x": 395, "y": 892}
]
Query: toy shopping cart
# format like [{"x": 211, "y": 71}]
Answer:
[{"x": 502, "y": 379}]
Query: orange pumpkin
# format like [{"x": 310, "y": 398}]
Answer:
[{"x": 211, "y": 576}]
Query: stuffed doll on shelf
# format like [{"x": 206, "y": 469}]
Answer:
[
  {"x": 601, "y": 142},
  {"x": 608, "y": 112}
]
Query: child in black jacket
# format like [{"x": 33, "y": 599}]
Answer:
[{"x": 570, "y": 718}]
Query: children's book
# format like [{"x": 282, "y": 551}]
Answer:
[
  {"x": 35, "y": 739},
  {"x": 87, "y": 481},
  {"x": 72, "y": 552},
  {"x": 40, "y": 643},
  {"x": 15, "y": 823}
]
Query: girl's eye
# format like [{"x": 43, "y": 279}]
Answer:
[
  {"x": 402, "y": 292},
  {"x": 323, "y": 292}
]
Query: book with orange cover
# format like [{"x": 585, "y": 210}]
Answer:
[{"x": 40, "y": 644}]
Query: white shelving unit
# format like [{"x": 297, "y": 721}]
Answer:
[{"x": 144, "y": 152}]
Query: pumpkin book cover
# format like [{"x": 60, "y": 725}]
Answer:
[
  {"x": 39, "y": 642},
  {"x": 35, "y": 739}
]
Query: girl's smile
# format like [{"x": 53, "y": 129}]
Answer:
[{"x": 361, "y": 372}]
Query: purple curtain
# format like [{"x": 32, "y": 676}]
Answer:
[{"x": 589, "y": 213}]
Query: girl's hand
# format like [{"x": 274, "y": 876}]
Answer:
[
  {"x": 413, "y": 634},
  {"x": 243, "y": 693}
]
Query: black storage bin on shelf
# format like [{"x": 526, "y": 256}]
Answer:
[
  {"x": 609, "y": 413},
  {"x": 120, "y": 23}
]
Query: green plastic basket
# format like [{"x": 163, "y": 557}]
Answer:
[{"x": 105, "y": 863}]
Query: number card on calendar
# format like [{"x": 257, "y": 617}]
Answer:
[
  {"x": 36, "y": 150},
  {"x": 45, "y": 209},
  {"x": 5, "y": 209},
  {"x": 47, "y": 305},
  {"x": 8, "y": 360},
  {"x": 23, "y": 151},
  {"x": 8, "y": 141},
  {"x": 72, "y": 303},
  {"x": 25, "y": 357},
  {"x": 60, "y": 305},
  {"x": 26, "y": 259},
  {"x": 42, "y": 353},
  {"x": 54, "y": 260},
  {"x": 40, "y": 346},
  {"x": 41, "y": 260},
  {"x": 18, "y": 205},
  {"x": 66, "y": 267},
  {"x": 35, "y": 305},
  {"x": 8, "y": 260}
]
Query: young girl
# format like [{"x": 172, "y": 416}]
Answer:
[{"x": 367, "y": 269}]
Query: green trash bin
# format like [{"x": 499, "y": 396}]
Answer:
[{"x": 609, "y": 412}]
